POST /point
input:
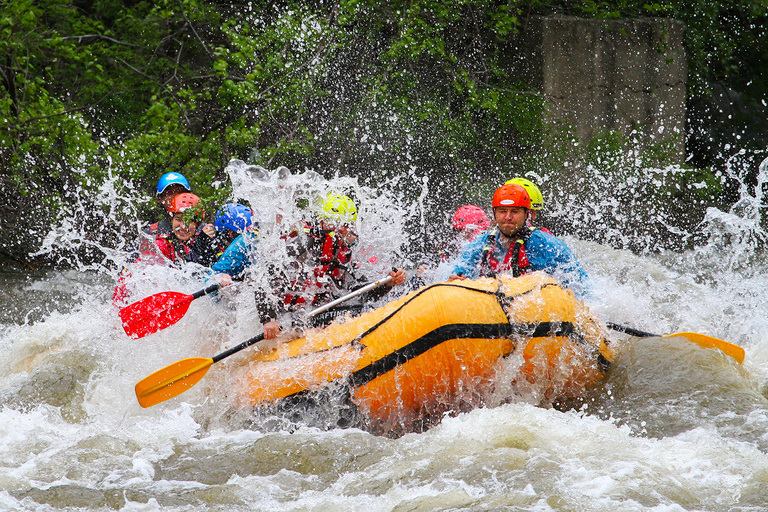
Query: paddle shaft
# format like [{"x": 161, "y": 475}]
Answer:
[
  {"x": 238, "y": 348},
  {"x": 177, "y": 378},
  {"x": 205, "y": 291},
  {"x": 702, "y": 340},
  {"x": 321, "y": 309},
  {"x": 352, "y": 295},
  {"x": 631, "y": 331}
]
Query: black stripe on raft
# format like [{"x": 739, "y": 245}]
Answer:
[
  {"x": 452, "y": 332},
  {"x": 499, "y": 296},
  {"x": 459, "y": 331}
]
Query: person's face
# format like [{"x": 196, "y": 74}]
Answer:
[
  {"x": 510, "y": 219},
  {"x": 183, "y": 232},
  {"x": 169, "y": 193},
  {"x": 229, "y": 236},
  {"x": 464, "y": 235}
]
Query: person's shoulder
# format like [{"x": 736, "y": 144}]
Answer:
[
  {"x": 242, "y": 241},
  {"x": 544, "y": 235},
  {"x": 475, "y": 245},
  {"x": 544, "y": 243},
  {"x": 483, "y": 238},
  {"x": 545, "y": 240}
]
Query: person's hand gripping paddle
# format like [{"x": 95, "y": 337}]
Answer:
[{"x": 180, "y": 376}]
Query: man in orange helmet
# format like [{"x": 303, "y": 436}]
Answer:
[{"x": 517, "y": 248}]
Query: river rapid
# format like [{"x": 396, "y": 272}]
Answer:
[{"x": 674, "y": 427}]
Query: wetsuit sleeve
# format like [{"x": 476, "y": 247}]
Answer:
[
  {"x": 415, "y": 282},
  {"x": 468, "y": 262},
  {"x": 203, "y": 250},
  {"x": 271, "y": 300},
  {"x": 267, "y": 305},
  {"x": 235, "y": 259},
  {"x": 354, "y": 281},
  {"x": 377, "y": 293}
]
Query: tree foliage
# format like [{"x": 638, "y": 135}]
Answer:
[{"x": 135, "y": 89}]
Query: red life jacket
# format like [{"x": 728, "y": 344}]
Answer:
[
  {"x": 330, "y": 266},
  {"x": 515, "y": 259},
  {"x": 172, "y": 248}
]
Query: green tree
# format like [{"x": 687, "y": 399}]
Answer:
[{"x": 377, "y": 89}]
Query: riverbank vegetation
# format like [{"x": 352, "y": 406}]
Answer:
[{"x": 93, "y": 90}]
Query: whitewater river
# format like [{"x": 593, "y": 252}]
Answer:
[{"x": 674, "y": 427}]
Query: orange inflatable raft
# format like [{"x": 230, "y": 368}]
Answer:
[{"x": 443, "y": 349}]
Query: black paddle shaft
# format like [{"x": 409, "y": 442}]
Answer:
[
  {"x": 256, "y": 339},
  {"x": 631, "y": 331},
  {"x": 238, "y": 348},
  {"x": 205, "y": 291}
]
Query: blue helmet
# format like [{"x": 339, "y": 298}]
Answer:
[
  {"x": 172, "y": 178},
  {"x": 234, "y": 216}
]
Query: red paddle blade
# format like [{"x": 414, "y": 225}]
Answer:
[{"x": 154, "y": 313}]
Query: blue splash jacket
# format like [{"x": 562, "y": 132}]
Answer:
[{"x": 544, "y": 252}]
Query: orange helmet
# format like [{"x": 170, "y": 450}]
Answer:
[
  {"x": 511, "y": 195},
  {"x": 182, "y": 202}
]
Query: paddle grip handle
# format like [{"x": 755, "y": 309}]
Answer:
[
  {"x": 206, "y": 291},
  {"x": 238, "y": 348}
]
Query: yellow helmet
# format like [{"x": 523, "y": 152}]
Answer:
[
  {"x": 537, "y": 200},
  {"x": 338, "y": 208}
]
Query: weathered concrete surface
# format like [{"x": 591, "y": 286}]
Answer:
[{"x": 608, "y": 75}]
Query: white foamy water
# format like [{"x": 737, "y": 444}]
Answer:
[{"x": 673, "y": 428}]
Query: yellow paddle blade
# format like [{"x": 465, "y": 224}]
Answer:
[
  {"x": 171, "y": 381},
  {"x": 705, "y": 341}
]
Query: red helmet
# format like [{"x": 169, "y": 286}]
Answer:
[
  {"x": 470, "y": 216},
  {"x": 182, "y": 202},
  {"x": 511, "y": 195}
]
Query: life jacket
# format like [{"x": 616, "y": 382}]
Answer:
[
  {"x": 515, "y": 260},
  {"x": 173, "y": 248},
  {"x": 329, "y": 266}
]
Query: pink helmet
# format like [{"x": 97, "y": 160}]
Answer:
[{"x": 472, "y": 217}]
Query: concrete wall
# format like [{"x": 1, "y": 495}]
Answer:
[{"x": 608, "y": 75}]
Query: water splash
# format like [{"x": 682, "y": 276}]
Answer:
[
  {"x": 738, "y": 236},
  {"x": 68, "y": 375}
]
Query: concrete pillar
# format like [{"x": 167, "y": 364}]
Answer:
[{"x": 603, "y": 76}]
